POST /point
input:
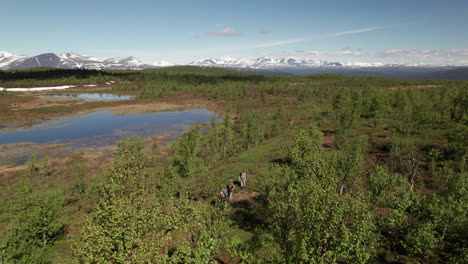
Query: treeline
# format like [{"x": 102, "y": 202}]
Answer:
[{"x": 52, "y": 77}]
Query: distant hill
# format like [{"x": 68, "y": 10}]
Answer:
[{"x": 460, "y": 74}]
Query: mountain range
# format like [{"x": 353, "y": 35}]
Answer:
[
  {"x": 265, "y": 65},
  {"x": 299, "y": 66},
  {"x": 72, "y": 61}
]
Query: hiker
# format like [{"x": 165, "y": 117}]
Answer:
[
  {"x": 223, "y": 194},
  {"x": 230, "y": 188},
  {"x": 243, "y": 178}
]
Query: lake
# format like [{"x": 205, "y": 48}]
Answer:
[{"x": 96, "y": 129}]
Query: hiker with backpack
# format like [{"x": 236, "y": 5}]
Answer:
[
  {"x": 230, "y": 189},
  {"x": 223, "y": 194},
  {"x": 243, "y": 178}
]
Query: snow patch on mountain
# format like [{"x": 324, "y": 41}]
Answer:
[
  {"x": 6, "y": 58},
  {"x": 127, "y": 60},
  {"x": 4, "y": 54},
  {"x": 363, "y": 64},
  {"x": 162, "y": 63}
]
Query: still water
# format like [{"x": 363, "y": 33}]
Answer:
[{"x": 96, "y": 129}]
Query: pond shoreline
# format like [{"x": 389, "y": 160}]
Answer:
[
  {"x": 72, "y": 133},
  {"x": 96, "y": 158},
  {"x": 29, "y": 109}
]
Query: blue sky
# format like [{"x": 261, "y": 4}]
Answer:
[{"x": 434, "y": 32}]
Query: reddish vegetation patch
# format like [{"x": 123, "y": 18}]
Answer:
[
  {"x": 180, "y": 95},
  {"x": 328, "y": 141},
  {"x": 383, "y": 212},
  {"x": 441, "y": 142},
  {"x": 244, "y": 198},
  {"x": 72, "y": 230},
  {"x": 224, "y": 258},
  {"x": 425, "y": 190}
]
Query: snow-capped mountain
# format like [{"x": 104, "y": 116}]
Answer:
[
  {"x": 70, "y": 60},
  {"x": 7, "y": 58},
  {"x": 298, "y": 63},
  {"x": 311, "y": 66},
  {"x": 263, "y": 63}
]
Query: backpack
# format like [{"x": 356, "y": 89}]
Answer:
[{"x": 230, "y": 188}]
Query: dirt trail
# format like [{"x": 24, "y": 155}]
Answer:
[
  {"x": 243, "y": 198},
  {"x": 423, "y": 86},
  {"x": 246, "y": 211}
]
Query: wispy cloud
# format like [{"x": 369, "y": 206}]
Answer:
[
  {"x": 433, "y": 53},
  {"x": 394, "y": 53},
  {"x": 195, "y": 36},
  {"x": 274, "y": 43},
  {"x": 297, "y": 40},
  {"x": 349, "y": 53},
  {"x": 224, "y": 32},
  {"x": 345, "y": 52},
  {"x": 264, "y": 32},
  {"x": 351, "y": 32},
  {"x": 130, "y": 52}
]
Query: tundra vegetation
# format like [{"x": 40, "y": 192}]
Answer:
[{"x": 340, "y": 170}]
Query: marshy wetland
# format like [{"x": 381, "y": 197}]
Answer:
[
  {"x": 339, "y": 169},
  {"x": 93, "y": 127},
  {"x": 102, "y": 128}
]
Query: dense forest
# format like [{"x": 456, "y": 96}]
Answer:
[{"x": 339, "y": 170}]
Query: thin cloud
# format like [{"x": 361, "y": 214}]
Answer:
[
  {"x": 297, "y": 40},
  {"x": 434, "y": 53},
  {"x": 224, "y": 32},
  {"x": 314, "y": 53},
  {"x": 274, "y": 43},
  {"x": 264, "y": 32},
  {"x": 352, "y": 32},
  {"x": 348, "y": 52}
]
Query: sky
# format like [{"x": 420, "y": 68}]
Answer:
[{"x": 397, "y": 31}]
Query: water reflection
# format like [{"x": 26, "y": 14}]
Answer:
[{"x": 97, "y": 129}]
